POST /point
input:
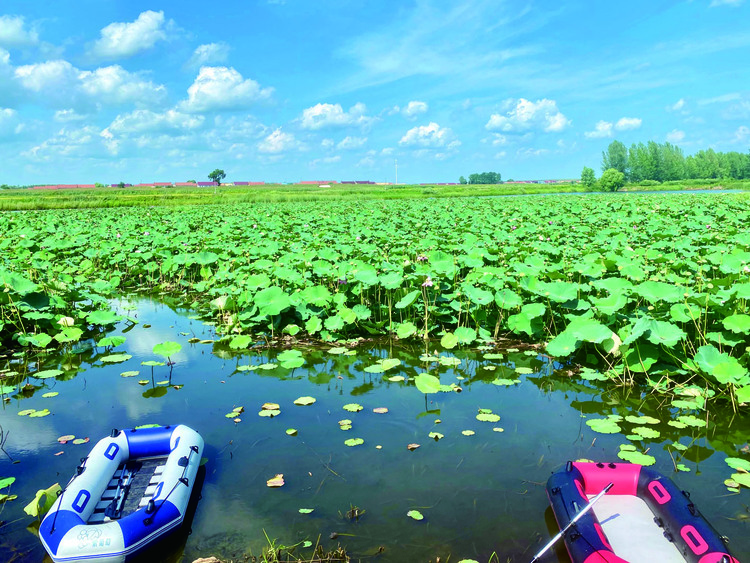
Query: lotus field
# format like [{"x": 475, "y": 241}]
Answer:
[{"x": 650, "y": 289}]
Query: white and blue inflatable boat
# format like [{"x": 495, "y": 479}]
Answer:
[{"x": 132, "y": 489}]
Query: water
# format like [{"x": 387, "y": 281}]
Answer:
[{"x": 479, "y": 494}]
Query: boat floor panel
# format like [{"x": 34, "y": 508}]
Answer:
[{"x": 629, "y": 525}]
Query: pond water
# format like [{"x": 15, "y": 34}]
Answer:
[{"x": 480, "y": 494}]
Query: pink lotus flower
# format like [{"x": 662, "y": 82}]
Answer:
[{"x": 427, "y": 282}]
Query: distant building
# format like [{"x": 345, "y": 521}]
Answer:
[{"x": 207, "y": 184}]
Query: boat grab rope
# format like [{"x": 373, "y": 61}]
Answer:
[
  {"x": 80, "y": 469},
  {"x": 152, "y": 509}
]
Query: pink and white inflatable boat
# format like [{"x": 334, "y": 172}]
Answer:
[{"x": 644, "y": 517}]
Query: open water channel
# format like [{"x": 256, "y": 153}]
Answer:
[{"x": 479, "y": 493}]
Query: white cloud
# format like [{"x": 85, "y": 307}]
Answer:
[
  {"x": 431, "y": 135},
  {"x": 529, "y": 152},
  {"x": 325, "y": 160},
  {"x": 69, "y": 143},
  {"x": 322, "y": 116},
  {"x": 7, "y": 120},
  {"x": 13, "y": 32},
  {"x": 735, "y": 3},
  {"x": 220, "y": 87},
  {"x": 68, "y": 115},
  {"x": 127, "y": 39},
  {"x": 143, "y": 120},
  {"x": 52, "y": 77},
  {"x": 60, "y": 83},
  {"x": 677, "y": 106},
  {"x": 414, "y": 108},
  {"x": 327, "y": 143},
  {"x": 209, "y": 53},
  {"x": 742, "y": 134},
  {"x": 499, "y": 140},
  {"x": 525, "y": 115},
  {"x": 627, "y": 123},
  {"x": 675, "y": 136},
  {"x": 278, "y": 142},
  {"x": 602, "y": 129},
  {"x": 387, "y": 151},
  {"x": 500, "y": 154},
  {"x": 115, "y": 84},
  {"x": 352, "y": 143}
]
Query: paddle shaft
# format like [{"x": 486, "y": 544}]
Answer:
[{"x": 583, "y": 511}]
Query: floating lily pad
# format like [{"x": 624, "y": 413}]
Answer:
[
  {"x": 115, "y": 358},
  {"x": 603, "y": 425},
  {"x": 524, "y": 370},
  {"x": 304, "y": 401},
  {"x": 485, "y": 417},
  {"x": 354, "y": 442},
  {"x": 353, "y": 407},
  {"x": 415, "y": 514},
  {"x": 67, "y": 438},
  {"x": 152, "y": 363},
  {"x": 46, "y": 374},
  {"x": 395, "y": 378},
  {"x": 268, "y": 366},
  {"x": 380, "y": 410},
  {"x": 646, "y": 432},
  {"x": 269, "y": 413},
  {"x": 498, "y": 429},
  {"x": 642, "y": 419},
  {"x": 637, "y": 457},
  {"x": 39, "y": 414},
  {"x": 468, "y": 432},
  {"x": 143, "y": 382},
  {"x": 79, "y": 441},
  {"x": 738, "y": 463},
  {"x": 305, "y": 510},
  {"x": 436, "y": 436},
  {"x": 691, "y": 420},
  {"x": 741, "y": 479},
  {"x": 412, "y": 447},
  {"x": 277, "y": 481},
  {"x": 291, "y": 431},
  {"x": 50, "y": 394},
  {"x": 505, "y": 382},
  {"x": 270, "y": 406},
  {"x": 130, "y": 373}
]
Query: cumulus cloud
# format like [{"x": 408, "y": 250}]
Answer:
[
  {"x": 525, "y": 115},
  {"x": 69, "y": 143},
  {"x": 352, "y": 143},
  {"x": 601, "y": 130},
  {"x": 121, "y": 39},
  {"x": 742, "y": 134},
  {"x": 627, "y": 123},
  {"x": 8, "y": 122},
  {"x": 327, "y": 143},
  {"x": 428, "y": 136},
  {"x": 675, "y": 136},
  {"x": 222, "y": 88},
  {"x": 68, "y": 116},
  {"x": 679, "y": 105},
  {"x": 143, "y": 120},
  {"x": 117, "y": 85},
  {"x": 322, "y": 116},
  {"x": 325, "y": 160},
  {"x": 209, "y": 53},
  {"x": 278, "y": 142},
  {"x": 13, "y": 32},
  {"x": 715, "y": 3},
  {"x": 59, "y": 82},
  {"x": 413, "y": 109}
]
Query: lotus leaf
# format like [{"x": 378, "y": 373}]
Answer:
[
  {"x": 353, "y": 407},
  {"x": 415, "y": 514},
  {"x": 354, "y": 442},
  {"x": 115, "y": 358},
  {"x": 304, "y": 401}
]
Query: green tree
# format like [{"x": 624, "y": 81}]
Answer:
[
  {"x": 612, "y": 180},
  {"x": 217, "y": 176},
  {"x": 485, "y": 178},
  {"x": 462, "y": 180},
  {"x": 121, "y": 185},
  {"x": 616, "y": 156},
  {"x": 588, "y": 178}
]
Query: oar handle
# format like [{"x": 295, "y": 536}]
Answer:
[{"x": 578, "y": 516}]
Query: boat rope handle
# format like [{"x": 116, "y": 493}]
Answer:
[
  {"x": 79, "y": 470},
  {"x": 182, "y": 480}
]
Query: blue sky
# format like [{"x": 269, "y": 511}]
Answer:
[{"x": 287, "y": 90}]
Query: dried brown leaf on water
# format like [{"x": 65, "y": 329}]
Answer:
[{"x": 277, "y": 481}]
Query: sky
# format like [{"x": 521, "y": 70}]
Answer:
[{"x": 415, "y": 91}]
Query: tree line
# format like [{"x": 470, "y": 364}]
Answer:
[
  {"x": 662, "y": 162},
  {"x": 483, "y": 178}
]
